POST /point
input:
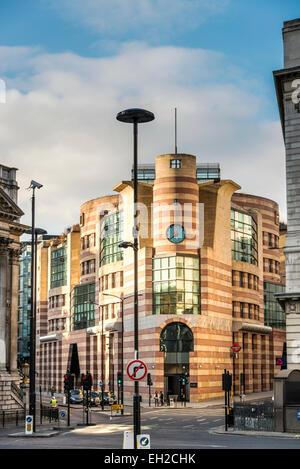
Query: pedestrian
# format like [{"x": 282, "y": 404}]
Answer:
[
  {"x": 53, "y": 401},
  {"x": 161, "y": 398},
  {"x": 156, "y": 399}
]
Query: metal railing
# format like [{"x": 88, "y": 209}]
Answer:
[
  {"x": 253, "y": 416},
  {"x": 13, "y": 417},
  {"x": 51, "y": 413},
  {"x": 17, "y": 391}
]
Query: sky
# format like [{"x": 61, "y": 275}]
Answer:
[{"x": 69, "y": 66}]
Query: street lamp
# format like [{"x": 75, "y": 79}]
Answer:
[
  {"x": 135, "y": 116},
  {"x": 33, "y": 185}
]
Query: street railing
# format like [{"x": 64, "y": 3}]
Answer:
[
  {"x": 253, "y": 416},
  {"x": 13, "y": 417}
]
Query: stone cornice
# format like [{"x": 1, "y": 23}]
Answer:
[{"x": 279, "y": 77}]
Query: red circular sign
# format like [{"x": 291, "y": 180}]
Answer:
[
  {"x": 236, "y": 348},
  {"x": 136, "y": 370}
]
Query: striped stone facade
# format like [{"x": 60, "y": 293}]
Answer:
[{"x": 223, "y": 285}]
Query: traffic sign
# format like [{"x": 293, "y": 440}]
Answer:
[
  {"x": 136, "y": 370},
  {"x": 143, "y": 442},
  {"x": 29, "y": 425},
  {"x": 235, "y": 348}
]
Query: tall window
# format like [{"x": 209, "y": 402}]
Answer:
[
  {"x": 111, "y": 232},
  {"x": 83, "y": 299},
  {"x": 176, "y": 285},
  {"x": 243, "y": 237},
  {"x": 59, "y": 267},
  {"x": 273, "y": 312}
]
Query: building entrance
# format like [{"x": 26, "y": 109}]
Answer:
[{"x": 176, "y": 341}]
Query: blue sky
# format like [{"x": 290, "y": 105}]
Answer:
[{"x": 212, "y": 58}]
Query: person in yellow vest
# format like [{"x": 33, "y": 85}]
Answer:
[{"x": 53, "y": 402}]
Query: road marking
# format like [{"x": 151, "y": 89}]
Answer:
[{"x": 201, "y": 420}]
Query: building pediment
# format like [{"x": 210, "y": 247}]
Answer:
[{"x": 8, "y": 209}]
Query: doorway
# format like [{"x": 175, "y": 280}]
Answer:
[{"x": 176, "y": 341}]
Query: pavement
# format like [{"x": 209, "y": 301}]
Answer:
[{"x": 221, "y": 431}]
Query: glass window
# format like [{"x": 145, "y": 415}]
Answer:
[
  {"x": 111, "y": 232},
  {"x": 175, "y": 164},
  {"x": 176, "y": 290},
  {"x": 83, "y": 306},
  {"x": 243, "y": 237},
  {"x": 58, "y": 267},
  {"x": 176, "y": 337},
  {"x": 274, "y": 315}
]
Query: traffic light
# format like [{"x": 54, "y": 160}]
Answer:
[
  {"x": 149, "y": 380},
  {"x": 226, "y": 381},
  {"x": 68, "y": 382},
  {"x": 183, "y": 381},
  {"x": 119, "y": 378},
  {"x": 87, "y": 381}
]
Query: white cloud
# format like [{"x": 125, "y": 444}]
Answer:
[
  {"x": 59, "y": 125},
  {"x": 116, "y": 17}
]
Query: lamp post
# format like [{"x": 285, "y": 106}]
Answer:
[
  {"x": 33, "y": 185},
  {"x": 122, "y": 346},
  {"x": 122, "y": 299},
  {"x": 135, "y": 117}
]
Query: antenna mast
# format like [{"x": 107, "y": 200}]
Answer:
[{"x": 175, "y": 131}]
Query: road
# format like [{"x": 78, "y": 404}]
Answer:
[{"x": 184, "y": 428}]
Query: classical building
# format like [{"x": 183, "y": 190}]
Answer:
[
  {"x": 10, "y": 232},
  {"x": 206, "y": 281},
  {"x": 288, "y": 96},
  {"x": 287, "y": 80}
]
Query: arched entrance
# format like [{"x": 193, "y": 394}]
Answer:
[{"x": 176, "y": 341}]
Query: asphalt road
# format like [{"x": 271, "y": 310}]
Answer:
[{"x": 184, "y": 428}]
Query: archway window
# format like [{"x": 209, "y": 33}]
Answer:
[{"x": 176, "y": 337}]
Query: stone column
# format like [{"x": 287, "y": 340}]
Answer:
[
  {"x": 257, "y": 359},
  {"x": 248, "y": 363},
  {"x": 14, "y": 287},
  {"x": 3, "y": 303}
]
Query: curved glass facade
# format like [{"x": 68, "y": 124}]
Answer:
[
  {"x": 176, "y": 285},
  {"x": 83, "y": 297},
  {"x": 273, "y": 312},
  {"x": 243, "y": 237},
  {"x": 111, "y": 232}
]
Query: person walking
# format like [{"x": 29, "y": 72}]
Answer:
[
  {"x": 161, "y": 398},
  {"x": 156, "y": 399}
]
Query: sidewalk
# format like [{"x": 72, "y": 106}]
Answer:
[
  {"x": 212, "y": 402},
  {"x": 221, "y": 431}
]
